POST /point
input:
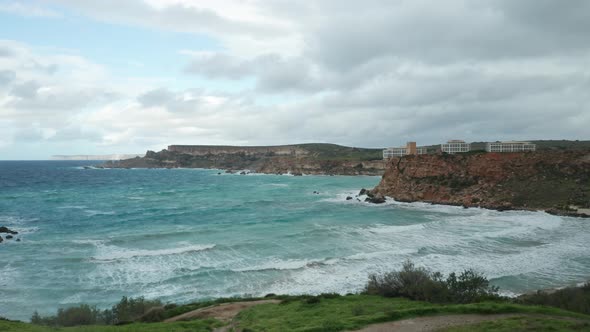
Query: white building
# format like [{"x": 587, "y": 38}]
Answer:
[
  {"x": 510, "y": 146},
  {"x": 455, "y": 146}
]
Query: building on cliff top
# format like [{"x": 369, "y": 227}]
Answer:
[
  {"x": 510, "y": 146},
  {"x": 455, "y": 146},
  {"x": 409, "y": 149}
]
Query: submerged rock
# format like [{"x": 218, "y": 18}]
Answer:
[
  {"x": 348, "y": 198},
  {"x": 7, "y": 230},
  {"x": 8, "y": 237},
  {"x": 375, "y": 199}
]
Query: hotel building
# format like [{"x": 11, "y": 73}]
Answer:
[
  {"x": 510, "y": 146},
  {"x": 409, "y": 149},
  {"x": 455, "y": 146}
]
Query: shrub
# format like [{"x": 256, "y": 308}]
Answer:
[
  {"x": 313, "y": 300},
  {"x": 469, "y": 286},
  {"x": 127, "y": 310},
  {"x": 570, "y": 298},
  {"x": 73, "y": 316},
  {"x": 412, "y": 282},
  {"x": 154, "y": 315},
  {"x": 418, "y": 283},
  {"x": 131, "y": 309}
]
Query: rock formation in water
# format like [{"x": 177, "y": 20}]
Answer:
[{"x": 556, "y": 181}]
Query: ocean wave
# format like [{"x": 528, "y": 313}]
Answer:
[
  {"x": 288, "y": 264},
  {"x": 113, "y": 253},
  {"x": 13, "y": 220},
  {"x": 75, "y": 207},
  {"x": 388, "y": 229},
  {"x": 92, "y": 213}
]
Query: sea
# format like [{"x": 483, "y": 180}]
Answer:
[{"x": 183, "y": 235}]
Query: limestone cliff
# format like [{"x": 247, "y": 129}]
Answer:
[
  {"x": 539, "y": 180},
  {"x": 328, "y": 159}
]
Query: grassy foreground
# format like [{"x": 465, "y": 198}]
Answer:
[
  {"x": 337, "y": 313},
  {"x": 201, "y": 325},
  {"x": 524, "y": 324}
]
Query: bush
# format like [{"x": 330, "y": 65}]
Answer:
[
  {"x": 571, "y": 298},
  {"x": 469, "y": 286},
  {"x": 411, "y": 282},
  {"x": 127, "y": 310},
  {"x": 418, "y": 283},
  {"x": 154, "y": 315},
  {"x": 73, "y": 316},
  {"x": 131, "y": 309}
]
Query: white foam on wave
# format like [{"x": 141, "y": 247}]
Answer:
[
  {"x": 73, "y": 207},
  {"x": 111, "y": 253},
  {"x": 388, "y": 229},
  {"x": 286, "y": 264},
  {"x": 92, "y": 213},
  {"x": 136, "y": 198},
  {"x": 13, "y": 220},
  {"x": 89, "y": 241}
]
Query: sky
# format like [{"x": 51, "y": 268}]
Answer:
[{"x": 126, "y": 76}]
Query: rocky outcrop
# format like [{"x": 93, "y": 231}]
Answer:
[
  {"x": 324, "y": 159},
  {"x": 4, "y": 229},
  {"x": 539, "y": 180}
]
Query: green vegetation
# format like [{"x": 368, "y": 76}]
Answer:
[
  {"x": 524, "y": 324},
  {"x": 325, "y": 151},
  {"x": 571, "y": 298},
  {"x": 407, "y": 293},
  {"x": 204, "y": 325},
  {"x": 418, "y": 283},
  {"x": 127, "y": 310},
  {"x": 356, "y": 311}
]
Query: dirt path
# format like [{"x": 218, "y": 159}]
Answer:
[
  {"x": 433, "y": 323},
  {"x": 223, "y": 312}
]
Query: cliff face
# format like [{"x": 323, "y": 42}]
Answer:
[
  {"x": 306, "y": 159},
  {"x": 540, "y": 180}
]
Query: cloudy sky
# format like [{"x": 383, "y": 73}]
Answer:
[{"x": 124, "y": 76}]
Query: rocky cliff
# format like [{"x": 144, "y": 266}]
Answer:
[
  {"x": 328, "y": 159},
  {"x": 540, "y": 180}
]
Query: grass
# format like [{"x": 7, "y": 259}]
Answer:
[
  {"x": 356, "y": 311},
  {"x": 524, "y": 324},
  {"x": 325, "y": 151},
  {"x": 328, "y": 313},
  {"x": 204, "y": 325}
]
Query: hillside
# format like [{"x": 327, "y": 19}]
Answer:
[
  {"x": 331, "y": 312},
  {"x": 328, "y": 159},
  {"x": 556, "y": 180}
]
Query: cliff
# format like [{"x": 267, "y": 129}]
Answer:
[
  {"x": 328, "y": 159},
  {"x": 559, "y": 181}
]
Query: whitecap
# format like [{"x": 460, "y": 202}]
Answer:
[
  {"x": 111, "y": 253},
  {"x": 92, "y": 213}
]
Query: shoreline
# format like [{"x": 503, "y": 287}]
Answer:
[{"x": 550, "y": 211}]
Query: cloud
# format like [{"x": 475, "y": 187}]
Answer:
[
  {"x": 28, "y": 10},
  {"x": 6, "y": 77},
  {"x": 375, "y": 73}
]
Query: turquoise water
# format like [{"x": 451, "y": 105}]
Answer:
[{"x": 92, "y": 236}]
